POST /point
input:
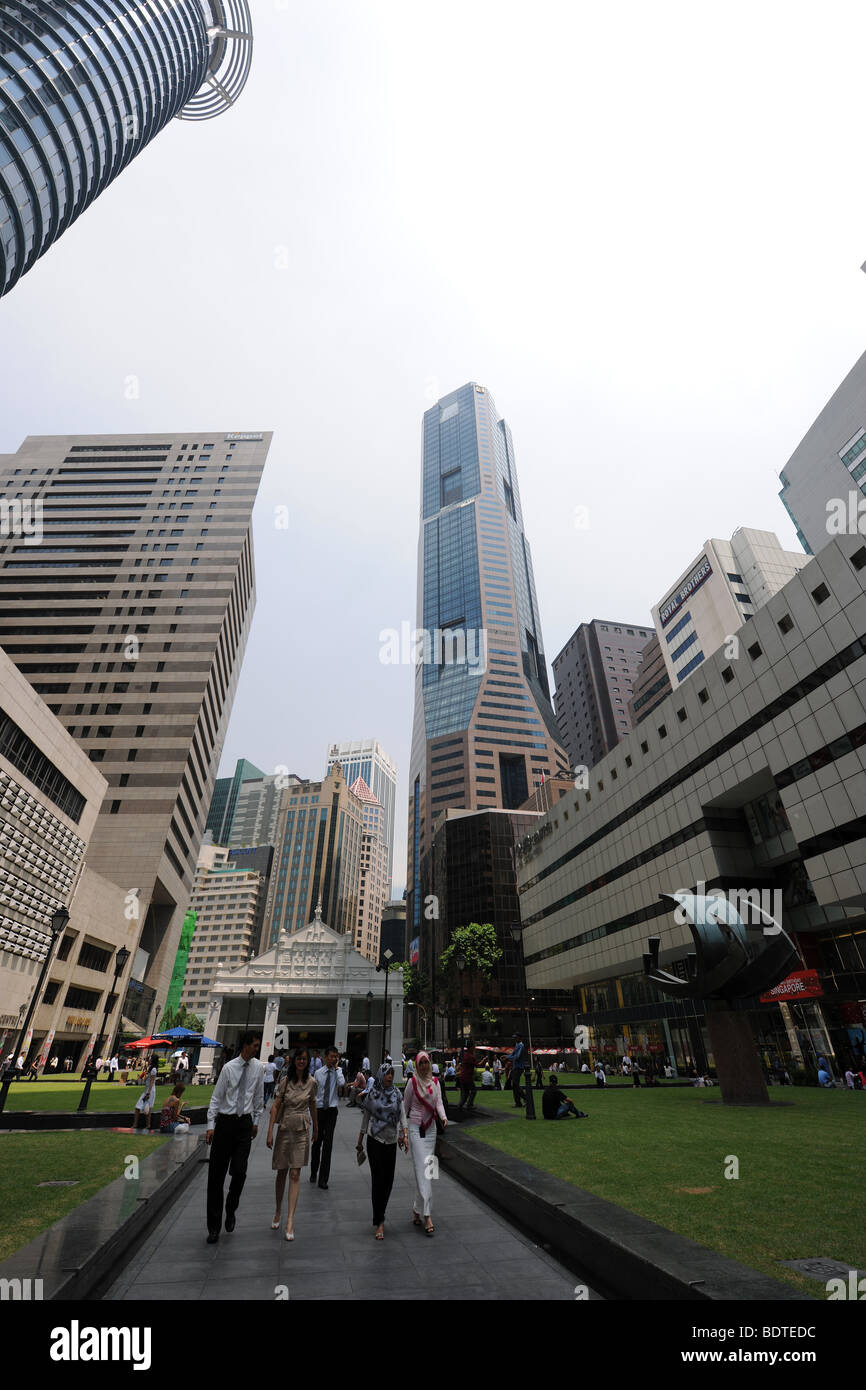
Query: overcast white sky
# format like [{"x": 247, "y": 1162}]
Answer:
[{"x": 640, "y": 226}]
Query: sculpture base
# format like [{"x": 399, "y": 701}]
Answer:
[{"x": 736, "y": 1056}]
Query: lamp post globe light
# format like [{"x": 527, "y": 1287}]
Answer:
[
  {"x": 56, "y": 926},
  {"x": 460, "y": 962},
  {"x": 517, "y": 938},
  {"x": 85, "y": 86}
]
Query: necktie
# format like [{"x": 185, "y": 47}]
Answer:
[
  {"x": 242, "y": 1089},
  {"x": 326, "y": 1101}
]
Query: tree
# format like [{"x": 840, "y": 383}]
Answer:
[{"x": 477, "y": 942}]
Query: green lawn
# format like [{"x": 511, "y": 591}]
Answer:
[
  {"x": 26, "y": 1160},
  {"x": 104, "y": 1095},
  {"x": 798, "y": 1191}
]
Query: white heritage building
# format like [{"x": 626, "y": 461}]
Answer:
[{"x": 313, "y": 989}]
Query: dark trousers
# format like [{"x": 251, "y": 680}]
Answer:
[
  {"x": 320, "y": 1161},
  {"x": 468, "y": 1092},
  {"x": 497, "y": 1080},
  {"x": 383, "y": 1161},
  {"x": 229, "y": 1151},
  {"x": 516, "y": 1077}
]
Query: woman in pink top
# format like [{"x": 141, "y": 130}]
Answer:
[{"x": 423, "y": 1101}]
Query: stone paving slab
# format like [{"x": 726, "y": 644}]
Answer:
[{"x": 475, "y": 1254}]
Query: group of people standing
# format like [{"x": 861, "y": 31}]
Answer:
[{"x": 304, "y": 1114}]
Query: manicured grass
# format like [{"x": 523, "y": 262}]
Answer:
[
  {"x": 26, "y": 1160},
  {"x": 798, "y": 1191},
  {"x": 104, "y": 1095}
]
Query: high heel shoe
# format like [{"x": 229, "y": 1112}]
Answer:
[
  {"x": 275, "y": 1225},
  {"x": 290, "y": 1235}
]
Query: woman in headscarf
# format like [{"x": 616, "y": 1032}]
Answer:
[
  {"x": 384, "y": 1122},
  {"x": 423, "y": 1103}
]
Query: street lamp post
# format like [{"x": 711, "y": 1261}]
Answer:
[
  {"x": 56, "y": 926},
  {"x": 370, "y": 997},
  {"x": 119, "y": 964},
  {"x": 251, "y": 994},
  {"x": 517, "y": 937},
  {"x": 460, "y": 962},
  {"x": 386, "y": 955}
]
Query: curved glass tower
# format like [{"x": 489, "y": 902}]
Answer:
[{"x": 85, "y": 86}]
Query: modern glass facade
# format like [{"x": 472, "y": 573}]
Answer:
[
  {"x": 485, "y": 734},
  {"x": 368, "y": 760},
  {"x": 84, "y": 87}
]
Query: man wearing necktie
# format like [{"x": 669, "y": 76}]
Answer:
[
  {"x": 232, "y": 1119},
  {"x": 329, "y": 1087}
]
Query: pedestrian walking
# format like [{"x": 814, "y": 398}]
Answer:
[
  {"x": 635, "y": 1073},
  {"x": 144, "y": 1104},
  {"x": 294, "y": 1110},
  {"x": 270, "y": 1080},
  {"x": 422, "y": 1101},
  {"x": 233, "y": 1123},
  {"x": 497, "y": 1073},
  {"x": 518, "y": 1063},
  {"x": 466, "y": 1078},
  {"x": 113, "y": 1066},
  {"x": 539, "y": 1074},
  {"x": 600, "y": 1078},
  {"x": 330, "y": 1083},
  {"x": 385, "y": 1119}
]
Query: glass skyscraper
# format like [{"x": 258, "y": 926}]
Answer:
[
  {"x": 367, "y": 758},
  {"x": 484, "y": 733},
  {"x": 84, "y": 87}
]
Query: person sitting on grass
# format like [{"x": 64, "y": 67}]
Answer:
[
  {"x": 555, "y": 1104},
  {"x": 170, "y": 1117}
]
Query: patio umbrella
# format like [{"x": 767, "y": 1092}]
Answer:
[
  {"x": 209, "y": 1042},
  {"x": 178, "y": 1033},
  {"x": 147, "y": 1042}
]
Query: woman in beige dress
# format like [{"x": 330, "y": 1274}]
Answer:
[{"x": 294, "y": 1110}]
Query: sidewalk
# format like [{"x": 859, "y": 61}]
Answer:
[{"x": 474, "y": 1254}]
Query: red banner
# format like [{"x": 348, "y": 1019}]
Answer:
[{"x": 802, "y": 984}]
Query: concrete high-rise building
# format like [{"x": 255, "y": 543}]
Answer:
[
  {"x": 729, "y": 581},
  {"x": 257, "y": 809},
  {"x": 317, "y": 858},
  {"x": 484, "y": 728},
  {"x": 652, "y": 684},
  {"x": 84, "y": 87},
  {"x": 50, "y": 795},
  {"x": 374, "y": 882},
  {"x": 224, "y": 800},
  {"x": 366, "y": 758},
  {"x": 226, "y": 900},
  {"x": 392, "y": 936},
  {"x": 130, "y": 617},
  {"x": 594, "y": 675},
  {"x": 824, "y": 480}
]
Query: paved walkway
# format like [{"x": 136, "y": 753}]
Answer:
[{"x": 475, "y": 1254}]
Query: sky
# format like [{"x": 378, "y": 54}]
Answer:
[{"x": 640, "y": 227}]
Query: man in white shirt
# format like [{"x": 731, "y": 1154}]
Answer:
[
  {"x": 232, "y": 1125},
  {"x": 487, "y": 1079},
  {"x": 365, "y": 1066},
  {"x": 329, "y": 1087},
  {"x": 113, "y": 1066}
]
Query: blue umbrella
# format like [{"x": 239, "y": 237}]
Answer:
[
  {"x": 209, "y": 1042},
  {"x": 177, "y": 1033}
]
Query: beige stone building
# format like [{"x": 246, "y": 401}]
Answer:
[
  {"x": 225, "y": 900},
  {"x": 374, "y": 883}
]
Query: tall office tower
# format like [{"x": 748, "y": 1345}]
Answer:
[
  {"x": 224, "y": 800},
  {"x": 366, "y": 758},
  {"x": 652, "y": 684},
  {"x": 257, "y": 809},
  {"x": 484, "y": 729},
  {"x": 392, "y": 935},
  {"x": 84, "y": 87},
  {"x": 317, "y": 856},
  {"x": 824, "y": 480},
  {"x": 130, "y": 618},
  {"x": 226, "y": 900},
  {"x": 260, "y": 859},
  {"x": 374, "y": 882},
  {"x": 594, "y": 674},
  {"x": 728, "y": 582}
]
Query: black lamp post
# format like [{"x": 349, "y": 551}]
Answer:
[
  {"x": 460, "y": 962},
  {"x": 386, "y": 956},
  {"x": 119, "y": 962},
  {"x": 56, "y": 926},
  {"x": 370, "y": 997},
  {"x": 517, "y": 937},
  {"x": 251, "y": 994}
]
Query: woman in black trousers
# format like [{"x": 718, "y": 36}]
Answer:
[{"x": 384, "y": 1123}]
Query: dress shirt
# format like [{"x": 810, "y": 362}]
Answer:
[
  {"x": 224, "y": 1100},
  {"x": 337, "y": 1082}
]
